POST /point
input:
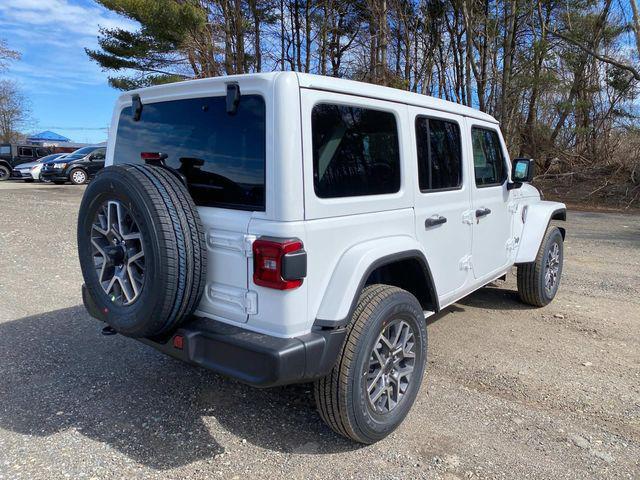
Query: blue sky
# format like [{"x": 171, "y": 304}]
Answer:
[{"x": 67, "y": 91}]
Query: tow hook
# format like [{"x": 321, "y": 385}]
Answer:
[{"x": 109, "y": 330}]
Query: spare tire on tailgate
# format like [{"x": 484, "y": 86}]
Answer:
[{"x": 142, "y": 249}]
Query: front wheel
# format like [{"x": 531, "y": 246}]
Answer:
[
  {"x": 539, "y": 280},
  {"x": 78, "y": 176},
  {"x": 379, "y": 371}
]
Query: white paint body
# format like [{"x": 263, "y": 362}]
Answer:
[{"x": 343, "y": 237}]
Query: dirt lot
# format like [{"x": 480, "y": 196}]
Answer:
[{"x": 510, "y": 391}]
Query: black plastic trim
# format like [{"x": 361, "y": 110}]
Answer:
[
  {"x": 294, "y": 265},
  {"x": 251, "y": 357},
  {"x": 559, "y": 214},
  {"x": 254, "y": 358},
  {"x": 382, "y": 261}
]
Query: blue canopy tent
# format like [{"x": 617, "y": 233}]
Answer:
[{"x": 47, "y": 136}]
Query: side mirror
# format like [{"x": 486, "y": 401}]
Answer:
[{"x": 522, "y": 171}]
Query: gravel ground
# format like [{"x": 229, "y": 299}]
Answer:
[{"x": 510, "y": 391}]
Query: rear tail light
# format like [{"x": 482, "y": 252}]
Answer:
[{"x": 279, "y": 263}]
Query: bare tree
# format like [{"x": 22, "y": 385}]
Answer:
[{"x": 14, "y": 111}]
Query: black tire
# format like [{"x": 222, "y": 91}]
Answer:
[
  {"x": 341, "y": 396},
  {"x": 59, "y": 182},
  {"x": 5, "y": 173},
  {"x": 28, "y": 180},
  {"x": 78, "y": 176},
  {"x": 531, "y": 276},
  {"x": 175, "y": 260}
]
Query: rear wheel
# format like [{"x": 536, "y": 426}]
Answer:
[
  {"x": 78, "y": 176},
  {"x": 538, "y": 281},
  {"x": 142, "y": 249},
  {"x": 5, "y": 173},
  {"x": 379, "y": 371}
]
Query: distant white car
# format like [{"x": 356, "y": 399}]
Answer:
[{"x": 31, "y": 171}]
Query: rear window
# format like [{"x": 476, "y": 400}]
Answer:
[
  {"x": 222, "y": 156},
  {"x": 355, "y": 151}
]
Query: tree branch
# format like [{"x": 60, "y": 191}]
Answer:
[{"x": 603, "y": 58}]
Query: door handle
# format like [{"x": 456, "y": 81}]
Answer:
[
  {"x": 434, "y": 220},
  {"x": 482, "y": 212}
]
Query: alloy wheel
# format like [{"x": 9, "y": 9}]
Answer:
[
  {"x": 552, "y": 268},
  {"x": 118, "y": 253},
  {"x": 390, "y": 366}
]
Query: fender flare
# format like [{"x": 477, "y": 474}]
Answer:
[
  {"x": 538, "y": 218},
  {"x": 354, "y": 268}
]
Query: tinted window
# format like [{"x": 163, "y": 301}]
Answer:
[
  {"x": 355, "y": 151},
  {"x": 99, "y": 154},
  {"x": 25, "y": 152},
  {"x": 81, "y": 152},
  {"x": 439, "y": 154},
  {"x": 488, "y": 161},
  {"x": 50, "y": 157},
  {"x": 222, "y": 156}
]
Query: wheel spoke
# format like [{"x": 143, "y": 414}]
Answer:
[
  {"x": 390, "y": 366},
  {"x": 118, "y": 252}
]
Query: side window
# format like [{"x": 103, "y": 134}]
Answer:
[
  {"x": 25, "y": 152},
  {"x": 355, "y": 151},
  {"x": 488, "y": 161},
  {"x": 439, "y": 154},
  {"x": 98, "y": 154}
]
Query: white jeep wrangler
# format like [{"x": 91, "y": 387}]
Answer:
[{"x": 283, "y": 227}]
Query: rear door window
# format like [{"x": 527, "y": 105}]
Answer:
[
  {"x": 439, "y": 154},
  {"x": 221, "y": 156},
  {"x": 488, "y": 161},
  {"x": 355, "y": 151}
]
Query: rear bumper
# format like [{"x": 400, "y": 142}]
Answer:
[{"x": 254, "y": 358}]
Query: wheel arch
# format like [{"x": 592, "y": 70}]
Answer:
[
  {"x": 398, "y": 261},
  {"x": 538, "y": 217}
]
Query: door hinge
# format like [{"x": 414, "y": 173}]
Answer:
[
  {"x": 247, "y": 301},
  {"x": 512, "y": 243},
  {"x": 248, "y": 245},
  {"x": 468, "y": 217},
  {"x": 251, "y": 303},
  {"x": 513, "y": 207},
  {"x": 465, "y": 263}
]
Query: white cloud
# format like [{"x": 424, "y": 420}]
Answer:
[
  {"x": 62, "y": 15},
  {"x": 52, "y": 35}
]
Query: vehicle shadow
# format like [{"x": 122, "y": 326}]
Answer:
[
  {"x": 60, "y": 373},
  {"x": 495, "y": 298}
]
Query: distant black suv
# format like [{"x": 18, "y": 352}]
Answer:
[
  {"x": 12, "y": 154},
  {"x": 76, "y": 167}
]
